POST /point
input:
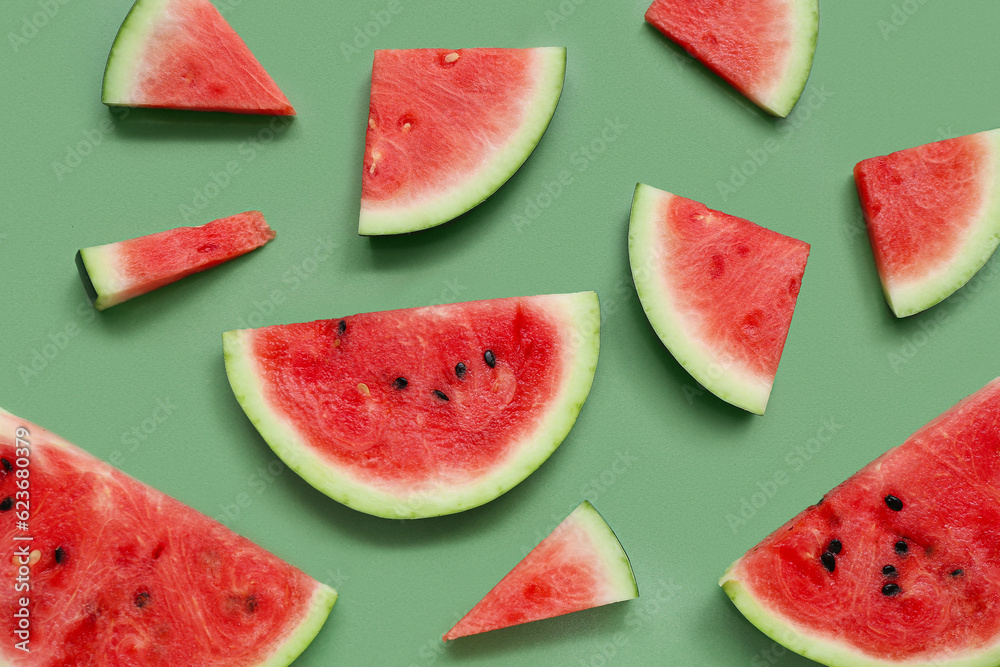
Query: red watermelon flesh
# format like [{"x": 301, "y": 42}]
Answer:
[
  {"x": 763, "y": 48},
  {"x": 420, "y": 411},
  {"x": 116, "y": 272},
  {"x": 121, "y": 574},
  {"x": 182, "y": 54},
  {"x": 932, "y": 216},
  {"x": 580, "y": 565},
  {"x": 912, "y": 554}
]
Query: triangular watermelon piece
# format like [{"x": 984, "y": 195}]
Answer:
[
  {"x": 763, "y": 48},
  {"x": 900, "y": 564},
  {"x": 117, "y": 272},
  {"x": 117, "y": 573},
  {"x": 719, "y": 291},
  {"x": 580, "y": 565},
  {"x": 423, "y": 411},
  {"x": 933, "y": 215},
  {"x": 447, "y": 127},
  {"x": 182, "y": 54}
]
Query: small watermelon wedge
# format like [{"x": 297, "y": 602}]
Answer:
[
  {"x": 108, "y": 571},
  {"x": 933, "y": 216},
  {"x": 762, "y": 48},
  {"x": 580, "y": 565},
  {"x": 900, "y": 564},
  {"x": 424, "y": 411},
  {"x": 719, "y": 291},
  {"x": 182, "y": 54},
  {"x": 448, "y": 127},
  {"x": 117, "y": 272}
]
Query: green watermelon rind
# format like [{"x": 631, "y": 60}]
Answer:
[
  {"x": 96, "y": 265},
  {"x": 617, "y": 566},
  {"x": 583, "y": 321},
  {"x": 319, "y": 609},
  {"x": 127, "y": 49},
  {"x": 720, "y": 377},
  {"x": 381, "y": 219},
  {"x": 806, "y": 17},
  {"x": 980, "y": 245},
  {"x": 824, "y": 650}
]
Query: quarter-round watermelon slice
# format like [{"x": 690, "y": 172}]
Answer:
[
  {"x": 101, "y": 569},
  {"x": 117, "y": 272},
  {"x": 447, "y": 128},
  {"x": 719, "y": 291},
  {"x": 763, "y": 48},
  {"x": 900, "y": 564},
  {"x": 182, "y": 54},
  {"x": 933, "y": 215},
  {"x": 424, "y": 411},
  {"x": 580, "y": 565}
]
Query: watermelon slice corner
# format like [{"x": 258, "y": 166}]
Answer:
[
  {"x": 718, "y": 290},
  {"x": 425, "y": 411},
  {"x": 580, "y": 565},
  {"x": 182, "y": 54},
  {"x": 763, "y": 48},
  {"x": 447, "y": 127}
]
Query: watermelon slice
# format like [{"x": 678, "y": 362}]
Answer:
[
  {"x": 181, "y": 54},
  {"x": 116, "y": 272},
  {"x": 580, "y": 565},
  {"x": 762, "y": 48},
  {"x": 109, "y": 571},
  {"x": 425, "y": 411},
  {"x": 719, "y": 291},
  {"x": 447, "y": 127},
  {"x": 900, "y": 564},
  {"x": 933, "y": 215}
]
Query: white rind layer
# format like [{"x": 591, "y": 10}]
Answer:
[
  {"x": 805, "y": 28},
  {"x": 126, "y": 52}
]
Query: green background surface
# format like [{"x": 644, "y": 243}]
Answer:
[{"x": 686, "y": 462}]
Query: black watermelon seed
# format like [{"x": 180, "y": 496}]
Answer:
[
  {"x": 958, "y": 573},
  {"x": 251, "y": 604},
  {"x": 889, "y": 571},
  {"x": 829, "y": 561},
  {"x": 6, "y": 464},
  {"x": 894, "y": 503},
  {"x": 141, "y": 599},
  {"x": 60, "y": 555},
  {"x": 890, "y": 589},
  {"x": 342, "y": 327},
  {"x": 6, "y": 504},
  {"x": 490, "y": 358},
  {"x": 460, "y": 370},
  {"x": 834, "y": 547},
  {"x": 400, "y": 383},
  {"x": 901, "y": 547},
  {"x": 440, "y": 394}
]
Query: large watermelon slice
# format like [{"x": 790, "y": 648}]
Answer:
[
  {"x": 580, "y": 565},
  {"x": 104, "y": 570},
  {"x": 900, "y": 564},
  {"x": 425, "y": 411},
  {"x": 933, "y": 215},
  {"x": 763, "y": 48},
  {"x": 117, "y": 272},
  {"x": 719, "y": 291},
  {"x": 447, "y": 127},
  {"x": 182, "y": 54}
]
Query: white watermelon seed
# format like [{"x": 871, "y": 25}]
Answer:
[{"x": 451, "y": 57}]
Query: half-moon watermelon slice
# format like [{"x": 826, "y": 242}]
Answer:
[
  {"x": 933, "y": 215},
  {"x": 424, "y": 411},
  {"x": 719, "y": 291},
  {"x": 101, "y": 569},
  {"x": 580, "y": 565},
  {"x": 182, "y": 54},
  {"x": 447, "y": 128},
  {"x": 900, "y": 564},
  {"x": 763, "y": 48},
  {"x": 117, "y": 272}
]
